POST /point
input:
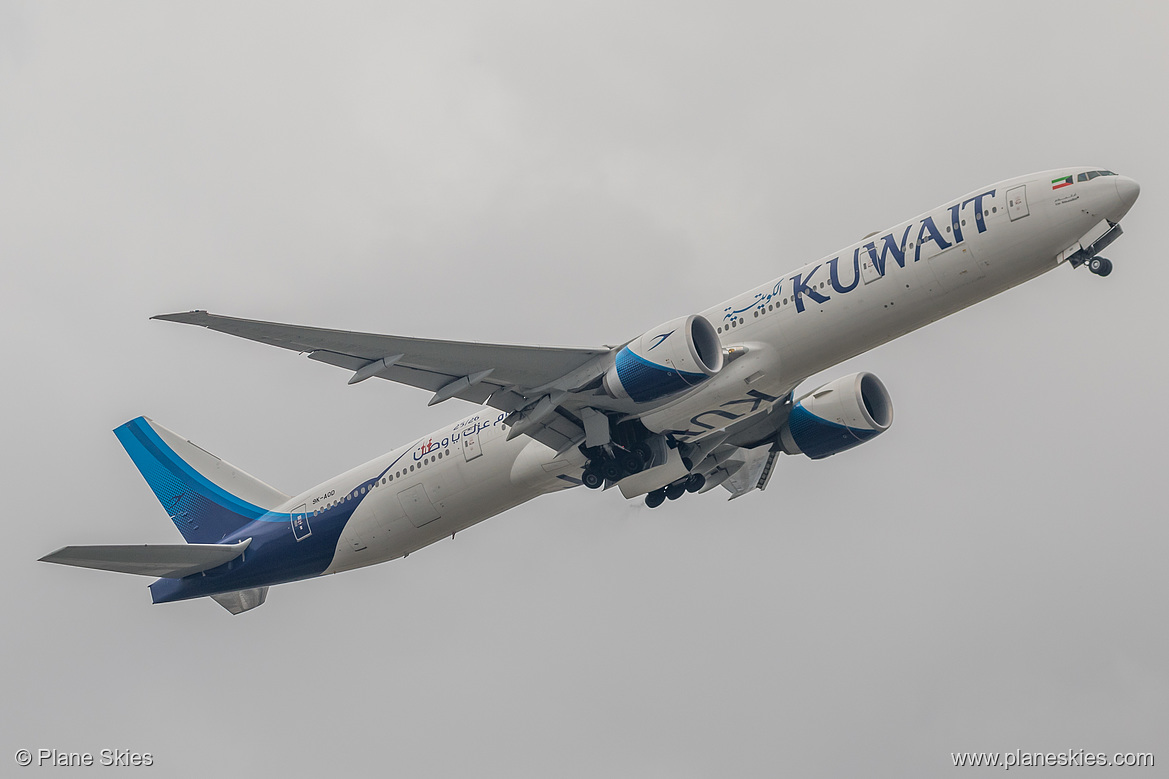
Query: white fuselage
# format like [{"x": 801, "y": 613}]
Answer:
[
  {"x": 957, "y": 254},
  {"x": 440, "y": 484}
]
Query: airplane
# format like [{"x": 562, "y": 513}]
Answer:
[{"x": 701, "y": 401}]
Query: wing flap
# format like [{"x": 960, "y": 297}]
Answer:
[
  {"x": 751, "y": 475},
  {"x": 167, "y": 561},
  {"x": 346, "y": 361}
]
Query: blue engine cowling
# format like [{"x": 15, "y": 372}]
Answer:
[
  {"x": 668, "y": 359},
  {"x": 838, "y": 416}
]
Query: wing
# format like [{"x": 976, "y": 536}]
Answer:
[{"x": 510, "y": 378}]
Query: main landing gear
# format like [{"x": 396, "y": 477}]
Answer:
[
  {"x": 615, "y": 466},
  {"x": 692, "y": 483},
  {"x": 1101, "y": 266}
]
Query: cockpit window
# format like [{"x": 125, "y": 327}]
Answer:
[{"x": 1093, "y": 174}]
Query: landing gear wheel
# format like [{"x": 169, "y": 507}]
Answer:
[
  {"x": 696, "y": 482},
  {"x": 631, "y": 463},
  {"x": 611, "y": 470},
  {"x": 676, "y": 490},
  {"x": 592, "y": 479},
  {"x": 655, "y": 499},
  {"x": 1101, "y": 266}
]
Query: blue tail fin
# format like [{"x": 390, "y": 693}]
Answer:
[{"x": 207, "y": 498}]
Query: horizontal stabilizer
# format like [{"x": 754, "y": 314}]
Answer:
[
  {"x": 241, "y": 600},
  {"x": 167, "y": 561}
]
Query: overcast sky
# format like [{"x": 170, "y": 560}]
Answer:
[{"x": 988, "y": 575}]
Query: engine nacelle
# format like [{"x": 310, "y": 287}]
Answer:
[
  {"x": 676, "y": 356},
  {"x": 838, "y": 416}
]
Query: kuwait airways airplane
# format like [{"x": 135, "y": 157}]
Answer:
[{"x": 701, "y": 401}]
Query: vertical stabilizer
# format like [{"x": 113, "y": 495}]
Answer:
[{"x": 206, "y": 498}]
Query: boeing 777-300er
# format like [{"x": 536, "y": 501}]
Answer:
[{"x": 701, "y": 401}]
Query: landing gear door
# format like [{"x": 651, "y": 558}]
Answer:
[
  {"x": 1017, "y": 202},
  {"x": 471, "y": 448}
]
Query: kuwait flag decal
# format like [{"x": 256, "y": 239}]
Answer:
[{"x": 1066, "y": 181}]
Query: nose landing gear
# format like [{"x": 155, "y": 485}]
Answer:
[
  {"x": 1101, "y": 266},
  {"x": 1088, "y": 253}
]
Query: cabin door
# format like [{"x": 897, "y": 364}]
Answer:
[
  {"x": 1017, "y": 202},
  {"x": 471, "y": 447}
]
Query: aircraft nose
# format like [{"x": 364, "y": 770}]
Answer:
[{"x": 1127, "y": 190}]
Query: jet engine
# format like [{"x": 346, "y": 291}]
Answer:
[
  {"x": 670, "y": 358},
  {"x": 838, "y": 416}
]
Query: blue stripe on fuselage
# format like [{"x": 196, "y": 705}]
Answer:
[{"x": 273, "y": 557}]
